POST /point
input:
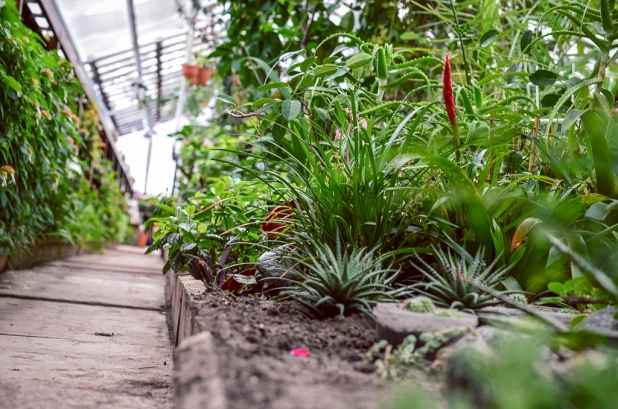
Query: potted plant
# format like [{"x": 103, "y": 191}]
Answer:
[
  {"x": 203, "y": 75},
  {"x": 198, "y": 73},
  {"x": 190, "y": 71}
]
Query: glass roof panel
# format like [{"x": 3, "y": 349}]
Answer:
[{"x": 101, "y": 27}]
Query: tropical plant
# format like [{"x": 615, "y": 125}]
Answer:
[
  {"x": 425, "y": 142},
  {"x": 213, "y": 233},
  {"x": 339, "y": 282},
  {"x": 452, "y": 284}
]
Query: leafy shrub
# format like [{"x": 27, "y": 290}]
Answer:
[
  {"x": 399, "y": 148},
  {"x": 46, "y": 151},
  {"x": 208, "y": 224}
]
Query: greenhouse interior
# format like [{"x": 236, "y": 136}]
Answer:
[{"x": 300, "y": 204}]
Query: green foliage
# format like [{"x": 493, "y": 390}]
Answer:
[
  {"x": 46, "y": 151},
  {"x": 336, "y": 282},
  {"x": 514, "y": 379},
  {"x": 351, "y": 128},
  {"x": 452, "y": 284},
  {"x": 209, "y": 224}
]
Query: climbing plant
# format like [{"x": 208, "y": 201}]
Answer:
[{"x": 44, "y": 142}]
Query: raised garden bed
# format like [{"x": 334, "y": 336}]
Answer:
[
  {"x": 253, "y": 339},
  {"x": 44, "y": 250}
]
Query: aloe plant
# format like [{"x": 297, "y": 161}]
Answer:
[
  {"x": 339, "y": 282},
  {"x": 452, "y": 284}
]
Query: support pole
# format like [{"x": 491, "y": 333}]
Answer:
[
  {"x": 140, "y": 88},
  {"x": 69, "y": 47},
  {"x": 183, "y": 88}
]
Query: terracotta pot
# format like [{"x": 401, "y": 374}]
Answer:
[
  {"x": 142, "y": 239},
  {"x": 202, "y": 77},
  {"x": 190, "y": 72}
]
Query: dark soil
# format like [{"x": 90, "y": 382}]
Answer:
[{"x": 254, "y": 339}]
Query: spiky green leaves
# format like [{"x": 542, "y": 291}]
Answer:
[
  {"x": 606, "y": 16},
  {"x": 451, "y": 285},
  {"x": 332, "y": 283},
  {"x": 382, "y": 70}
]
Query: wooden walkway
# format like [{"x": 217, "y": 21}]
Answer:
[{"x": 86, "y": 332}]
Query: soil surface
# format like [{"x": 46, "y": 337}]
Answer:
[{"x": 254, "y": 339}]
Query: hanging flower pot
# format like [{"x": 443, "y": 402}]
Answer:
[
  {"x": 203, "y": 75},
  {"x": 190, "y": 72}
]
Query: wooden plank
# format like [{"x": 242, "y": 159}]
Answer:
[
  {"x": 50, "y": 348},
  {"x": 86, "y": 286}
]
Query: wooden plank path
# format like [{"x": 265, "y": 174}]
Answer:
[{"x": 56, "y": 324}]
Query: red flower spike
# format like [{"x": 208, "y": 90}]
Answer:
[
  {"x": 302, "y": 352},
  {"x": 449, "y": 100}
]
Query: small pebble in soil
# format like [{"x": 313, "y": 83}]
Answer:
[{"x": 164, "y": 362}]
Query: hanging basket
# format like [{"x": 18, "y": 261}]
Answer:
[
  {"x": 195, "y": 74},
  {"x": 203, "y": 76},
  {"x": 190, "y": 71}
]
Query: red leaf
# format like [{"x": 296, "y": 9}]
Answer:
[
  {"x": 234, "y": 286},
  {"x": 273, "y": 221}
]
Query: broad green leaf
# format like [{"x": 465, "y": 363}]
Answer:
[
  {"x": 543, "y": 78},
  {"x": 279, "y": 129},
  {"x": 187, "y": 247},
  {"x": 290, "y": 109},
  {"x": 226, "y": 99},
  {"x": 511, "y": 284},
  {"x": 12, "y": 83},
  {"x": 598, "y": 127},
  {"x": 571, "y": 118},
  {"x": 409, "y": 36},
  {"x": 323, "y": 114},
  {"x": 304, "y": 66},
  {"x": 272, "y": 85},
  {"x": 556, "y": 288},
  {"x": 599, "y": 211},
  {"x": 324, "y": 70},
  {"x": 488, "y": 37},
  {"x": 486, "y": 79},
  {"x": 359, "y": 60},
  {"x": 262, "y": 101},
  {"x": 166, "y": 208},
  {"x": 526, "y": 39},
  {"x": 576, "y": 320}
]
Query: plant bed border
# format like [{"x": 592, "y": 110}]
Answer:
[
  {"x": 43, "y": 250},
  {"x": 250, "y": 341}
]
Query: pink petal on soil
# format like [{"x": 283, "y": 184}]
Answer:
[{"x": 300, "y": 352}]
